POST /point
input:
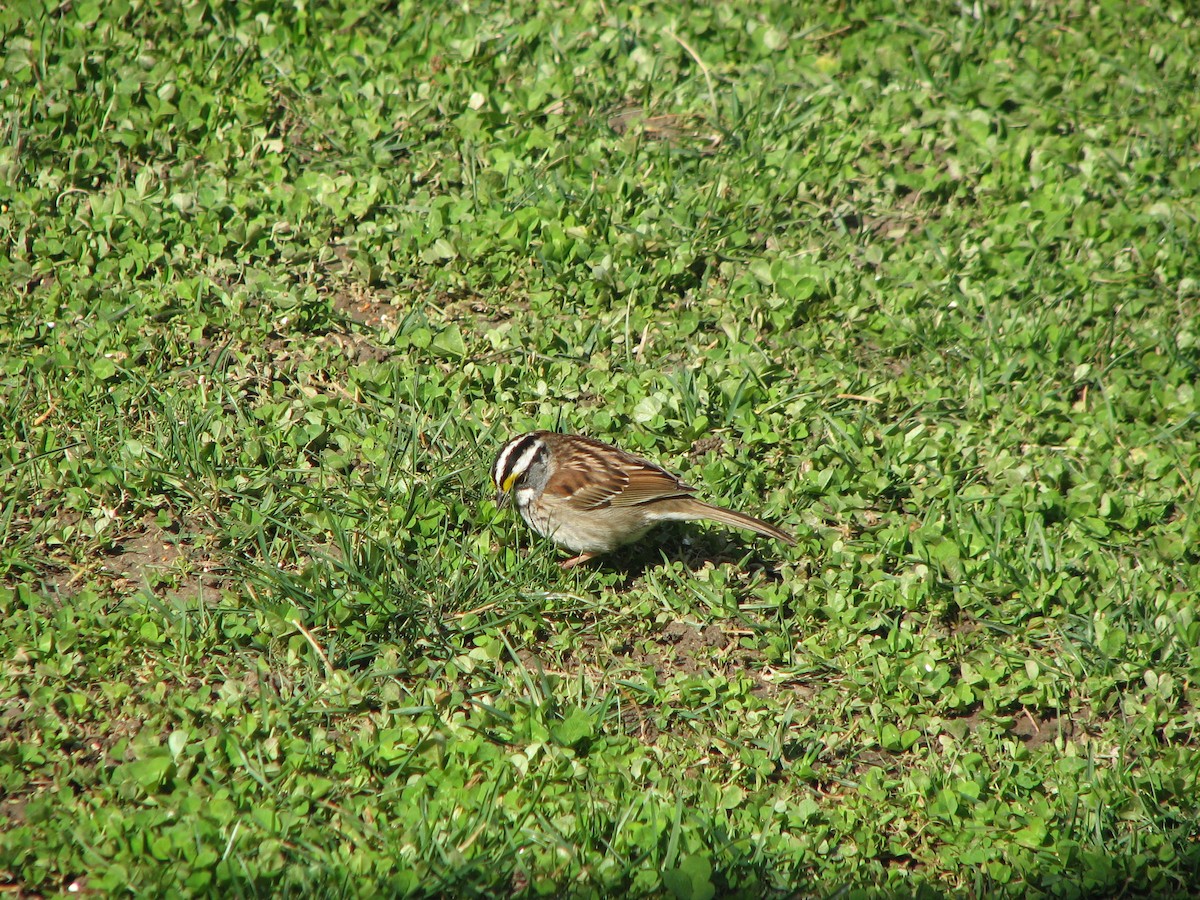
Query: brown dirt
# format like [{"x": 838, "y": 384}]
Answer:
[{"x": 375, "y": 310}]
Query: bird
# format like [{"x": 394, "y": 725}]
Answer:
[{"x": 591, "y": 497}]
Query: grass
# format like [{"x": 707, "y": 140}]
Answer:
[{"x": 917, "y": 282}]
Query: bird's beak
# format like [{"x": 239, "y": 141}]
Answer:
[{"x": 504, "y": 491}]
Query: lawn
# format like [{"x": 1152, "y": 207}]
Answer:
[{"x": 919, "y": 282}]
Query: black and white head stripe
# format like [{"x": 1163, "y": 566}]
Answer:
[{"x": 516, "y": 458}]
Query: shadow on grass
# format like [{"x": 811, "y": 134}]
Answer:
[{"x": 696, "y": 549}]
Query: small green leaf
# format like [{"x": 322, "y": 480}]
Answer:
[
  {"x": 149, "y": 774},
  {"x": 646, "y": 409},
  {"x": 774, "y": 39},
  {"x": 692, "y": 880},
  {"x": 449, "y": 342},
  {"x": 1032, "y": 835},
  {"x": 576, "y": 727},
  {"x": 732, "y": 797},
  {"x": 761, "y": 269},
  {"x": 889, "y": 737}
]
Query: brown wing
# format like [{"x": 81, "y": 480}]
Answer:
[{"x": 600, "y": 475}]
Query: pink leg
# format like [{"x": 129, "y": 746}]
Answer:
[{"x": 576, "y": 560}]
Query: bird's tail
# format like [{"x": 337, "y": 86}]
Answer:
[{"x": 690, "y": 508}]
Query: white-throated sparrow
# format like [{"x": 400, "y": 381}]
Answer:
[{"x": 591, "y": 497}]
